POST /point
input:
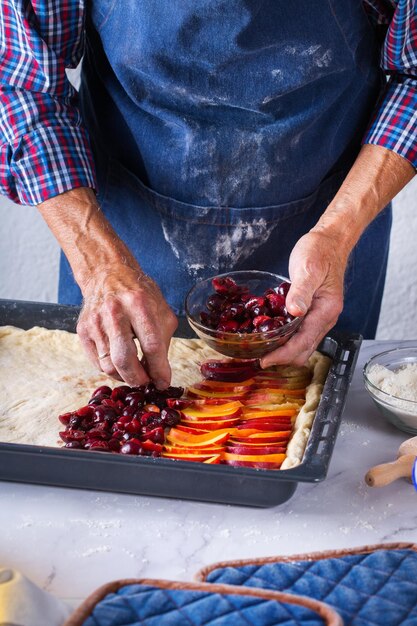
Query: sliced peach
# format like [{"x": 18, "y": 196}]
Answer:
[
  {"x": 270, "y": 437},
  {"x": 264, "y": 425},
  {"x": 255, "y": 465},
  {"x": 209, "y": 393},
  {"x": 196, "y": 416},
  {"x": 187, "y": 429},
  {"x": 264, "y": 434},
  {"x": 251, "y": 449},
  {"x": 250, "y": 413},
  {"x": 186, "y": 457},
  {"x": 213, "y": 460},
  {"x": 203, "y": 402},
  {"x": 244, "y": 441},
  {"x": 268, "y": 458},
  {"x": 210, "y": 424},
  {"x": 217, "y": 436},
  {"x": 273, "y": 419},
  {"x": 218, "y": 410},
  {"x": 196, "y": 450},
  {"x": 253, "y": 403}
]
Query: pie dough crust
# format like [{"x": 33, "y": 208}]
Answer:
[{"x": 44, "y": 373}]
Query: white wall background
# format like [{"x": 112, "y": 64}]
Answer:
[{"x": 29, "y": 258}]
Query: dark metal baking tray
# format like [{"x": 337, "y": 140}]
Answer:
[{"x": 178, "y": 479}]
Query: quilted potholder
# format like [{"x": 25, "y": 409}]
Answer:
[
  {"x": 368, "y": 586},
  {"x": 168, "y": 603}
]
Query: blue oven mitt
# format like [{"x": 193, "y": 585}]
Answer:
[
  {"x": 169, "y": 603},
  {"x": 370, "y": 586}
]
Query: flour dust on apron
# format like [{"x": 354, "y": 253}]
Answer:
[{"x": 199, "y": 246}]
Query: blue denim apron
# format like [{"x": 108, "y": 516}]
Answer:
[{"x": 222, "y": 129}]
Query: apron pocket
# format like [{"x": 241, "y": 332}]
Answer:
[{"x": 178, "y": 244}]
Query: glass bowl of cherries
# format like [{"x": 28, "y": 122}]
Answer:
[{"x": 241, "y": 314}]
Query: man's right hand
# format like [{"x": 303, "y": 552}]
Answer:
[{"x": 120, "y": 301}]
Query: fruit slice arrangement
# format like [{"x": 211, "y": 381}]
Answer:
[{"x": 238, "y": 415}]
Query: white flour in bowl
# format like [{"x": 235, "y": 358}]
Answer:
[{"x": 401, "y": 383}]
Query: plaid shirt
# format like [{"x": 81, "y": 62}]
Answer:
[{"x": 44, "y": 148}]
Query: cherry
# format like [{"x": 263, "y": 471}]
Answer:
[
  {"x": 246, "y": 326},
  {"x": 85, "y": 411},
  {"x": 104, "y": 390},
  {"x": 120, "y": 393},
  {"x": 122, "y": 419},
  {"x": 215, "y": 302},
  {"x": 266, "y": 326},
  {"x": 150, "y": 446},
  {"x": 174, "y": 392},
  {"x": 260, "y": 319},
  {"x": 97, "y": 433},
  {"x": 72, "y": 435},
  {"x": 230, "y": 326},
  {"x": 231, "y": 308},
  {"x": 156, "y": 435},
  {"x": 133, "y": 427},
  {"x": 131, "y": 447},
  {"x": 225, "y": 285},
  {"x": 259, "y": 310},
  {"x": 283, "y": 289},
  {"x": 114, "y": 444},
  {"x": 135, "y": 398},
  {"x": 276, "y": 303},
  {"x": 129, "y": 410},
  {"x": 98, "y": 446},
  {"x": 102, "y": 413},
  {"x": 96, "y": 400},
  {"x": 75, "y": 421},
  {"x": 170, "y": 417},
  {"x": 280, "y": 321},
  {"x": 254, "y": 301},
  {"x": 65, "y": 418},
  {"x": 205, "y": 318}
]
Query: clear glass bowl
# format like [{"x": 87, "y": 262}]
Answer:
[
  {"x": 238, "y": 345},
  {"x": 400, "y": 412}
]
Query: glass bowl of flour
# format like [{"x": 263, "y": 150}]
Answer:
[{"x": 391, "y": 380}]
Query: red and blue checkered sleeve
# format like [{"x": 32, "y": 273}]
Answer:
[
  {"x": 44, "y": 148},
  {"x": 394, "y": 124}
]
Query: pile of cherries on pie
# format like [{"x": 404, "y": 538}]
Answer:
[
  {"x": 232, "y": 309},
  {"x": 129, "y": 420}
]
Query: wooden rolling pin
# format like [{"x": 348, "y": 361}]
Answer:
[{"x": 384, "y": 474}]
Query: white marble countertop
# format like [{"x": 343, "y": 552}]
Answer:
[{"x": 69, "y": 542}]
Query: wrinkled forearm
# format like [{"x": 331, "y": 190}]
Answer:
[
  {"x": 375, "y": 178},
  {"x": 86, "y": 237}
]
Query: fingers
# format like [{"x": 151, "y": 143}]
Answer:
[
  {"x": 105, "y": 334},
  {"x": 107, "y": 330},
  {"x": 154, "y": 340},
  {"x": 123, "y": 362},
  {"x": 307, "y": 273},
  {"x": 321, "y": 317}
]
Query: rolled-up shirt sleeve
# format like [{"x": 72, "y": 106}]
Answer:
[
  {"x": 44, "y": 148},
  {"x": 394, "y": 124}
]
